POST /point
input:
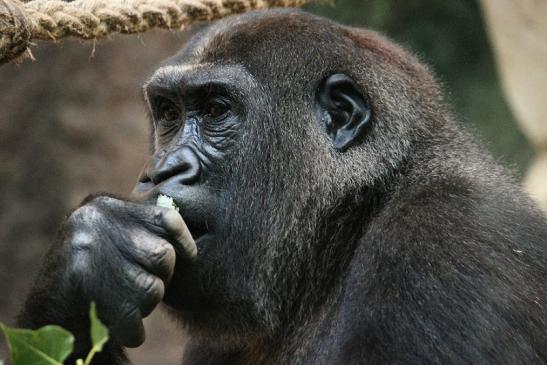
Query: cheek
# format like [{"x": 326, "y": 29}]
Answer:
[{"x": 221, "y": 135}]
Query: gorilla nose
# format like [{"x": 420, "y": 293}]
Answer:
[{"x": 183, "y": 163}]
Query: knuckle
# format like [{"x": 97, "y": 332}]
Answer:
[
  {"x": 128, "y": 311},
  {"x": 152, "y": 287},
  {"x": 163, "y": 255},
  {"x": 155, "y": 291},
  {"x": 85, "y": 229},
  {"x": 85, "y": 215},
  {"x": 105, "y": 204},
  {"x": 144, "y": 281},
  {"x": 158, "y": 216},
  {"x": 104, "y": 200},
  {"x": 82, "y": 240}
]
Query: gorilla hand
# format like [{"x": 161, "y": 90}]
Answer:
[{"x": 119, "y": 254}]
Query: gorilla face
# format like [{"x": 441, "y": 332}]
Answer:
[
  {"x": 196, "y": 115},
  {"x": 266, "y": 135},
  {"x": 200, "y": 113},
  {"x": 197, "y": 112}
]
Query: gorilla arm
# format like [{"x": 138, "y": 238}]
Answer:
[{"x": 120, "y": 255}]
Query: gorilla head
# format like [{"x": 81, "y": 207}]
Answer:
[
  {"x": 271, "y": 130},
  {"x": 281, "y": 135}
]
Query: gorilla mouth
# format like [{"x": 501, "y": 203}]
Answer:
[
  {"x": 197, "y": 230},
  {"x": 197, "y": 226},
  {"x": 194, "y": 208}
]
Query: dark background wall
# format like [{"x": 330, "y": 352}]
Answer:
[{"x": 72, "y": 123}]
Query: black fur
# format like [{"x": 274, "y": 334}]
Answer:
[{"x": 410, "y": 245}]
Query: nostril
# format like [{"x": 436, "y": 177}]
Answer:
[
  {"x": 181, "y": 169},
  {"x": 183, "y": 163},
  {"x": 191, "y": 173},
  {"x": 144, "y": 179}
]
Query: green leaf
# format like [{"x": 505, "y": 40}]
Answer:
[
  {"x": 99, "y": 334},
  {"x": 49, "y": 345}
]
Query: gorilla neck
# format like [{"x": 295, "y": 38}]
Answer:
[
  {"x": 287, "y": 322},
  {"x": 290, "y": 345}
]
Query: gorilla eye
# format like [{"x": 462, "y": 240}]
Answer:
[
  {"x": 216, "y": 108},
  {"x": 167, "y": 112}
]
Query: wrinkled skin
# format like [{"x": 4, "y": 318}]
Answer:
[
  {"x": 119, "y": 254},
  {"x": 331, "y": 212}
]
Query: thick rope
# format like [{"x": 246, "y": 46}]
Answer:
[{"x": 20, "y": 23}]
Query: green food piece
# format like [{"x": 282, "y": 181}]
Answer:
[
  {"x": 49, "y": 345},
  {"x": 166, "y": 202}
]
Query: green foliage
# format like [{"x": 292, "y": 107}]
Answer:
[
  {"x": 99, "y": 336},
  {"x": 99, "y": 332},
  {"x": 51, "y": 345}
]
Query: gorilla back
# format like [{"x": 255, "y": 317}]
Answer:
[{"x": 340, "y": 213}]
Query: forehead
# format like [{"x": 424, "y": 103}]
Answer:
[
  {"x": 276, "y": 44},
  {"x": 183, "y": 80},
  {"x": 251, "y": 31}
]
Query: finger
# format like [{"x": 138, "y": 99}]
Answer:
[
  {"x": 140, "y": 288},
  {"x": 128, "y": 328},
  {"x": 167, "y": 219},
  {"x": 153, "y": 253},
  {"x": 158, "y": 220},
  {"x": 150, "y": 292},
  {"x": 179, "y": 231},
  {"x": 130, "y": 212}
]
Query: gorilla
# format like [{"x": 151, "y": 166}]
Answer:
[{"x": 332, "y": 211}]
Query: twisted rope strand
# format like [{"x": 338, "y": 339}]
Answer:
[{"x": 20, "y": 23}]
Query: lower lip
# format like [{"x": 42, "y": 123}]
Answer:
[{"x": 202, "y": 239}]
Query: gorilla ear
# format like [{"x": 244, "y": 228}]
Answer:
[{"x": 346, "y": 112}]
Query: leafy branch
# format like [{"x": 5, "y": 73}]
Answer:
[{"x": 51, "y": 345}]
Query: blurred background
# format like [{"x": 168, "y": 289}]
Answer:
[{"x": 72, "y": 122}]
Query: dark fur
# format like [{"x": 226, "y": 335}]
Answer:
[{"x": 412, "y": 247}]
